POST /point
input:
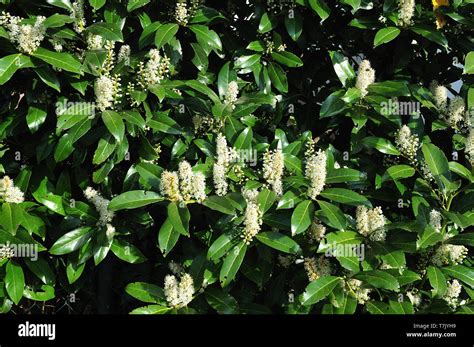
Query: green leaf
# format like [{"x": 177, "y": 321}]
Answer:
[
  {"x": 461, "y": 272},
  {"x": 35, "y": 117},
  {"x": 48, "y": 77},
  {"x": 71, "y": 241},
  {"x": 8, "y": 66},
  {"x": 287, "y": 59},
  {"x": 165, "y": 33},
  {"x": 97, "y": 4},
  {"x": 332, "y": 105},
  {"x": 378, "y": 279},
  {"x": 380, "y": 144},
  {"x": 278, "y": 77},
  {"x": 221, "y": 301},
  {"x": 343, "y": 175},
  {"x": 135, "y": 4},
  {"x": 321, "y": 8},
  {"x": 219, "y": 203},
  {"x": 398, "y": 171},
  {"x": 390, "y": 88},
  {"x": 385, "y": 35},
  {"x": 344, "y": 196},
  {"x": 179, "y": 217},
  {"x": 265, "y": 199},
  {"x": 267, "y": 23},
  {"x": 429, "y": 32},
  {"x": 11, "y": 217},
  {"x": 342, "y": 67},
  {"x": 105, "y": 148},
  {"x": 294, "y": 25},
  {"x": 232, "y": 263},
  {"x": 302, "y": 217},
  {"x": 244, "y": 140},
  {"x": 108, "y": 31},
  {"x": 435, "y": 159},
  {"x": 279, "y": 242},
  {"x": 469, "y": 63},
  {"x": 429, "y": 237},
  {"x": 335, "y": 239},
  {"x": 134, "y": 199},
  {"x": 146, "y": 292},
  {"x": 463, "y": 239},
  {"x": 127, "y": 252},
  {"x": 337, "y": 219},
  {"x": 151, "y": 309},
  {"x": 220, "y": 247},
  {"x": 205, "y": 36},
  {"x": 437, "y": 281},
  {"x": 63, "y": 61},
  {"x": 41, "y": 269},
  {"x": 319, "y": 289},
  {"x": 377, "y": 307},
  {"x": 167, "y": 237},
  {"x": 14, "y": 281},
  {"x": 114, "y": 123}
]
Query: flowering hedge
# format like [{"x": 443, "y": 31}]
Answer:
[{"x": 298, "y": 156}]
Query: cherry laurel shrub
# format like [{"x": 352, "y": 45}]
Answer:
[{"x": 284, "y": 156}]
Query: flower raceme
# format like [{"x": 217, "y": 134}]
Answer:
[
  {"x": 371, "y": 223},
  {"x": 101, "y": 205},
  {"x": 27, "y": 37},
  {"x": 184, "y": 185},
  {"x": 316, "y": 173},
  {"x": 365, "y": 77},
  {"x": 179, "y": 293},
  {"x": 252, "y": 216},
  {"x": 273, "y": 167},
  {"x": 406, "y": 12},
  {"x": 10, "y": 193}
]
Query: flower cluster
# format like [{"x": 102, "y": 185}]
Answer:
[
  {"x": 252, "y": 216},
  {"x": 365, "y": 77},
  {"x": 414, "y": 297},
  {"x": 154, "y": 71},
  {"x": 179, "y": 293},
  {"x": 273, "y": 167},
  {"x": 469, "y": 149},
  {"x": 181, "y": 13},
  {"x": 356, "y": 288},
  {"x": 107, "y": 91},
  {"x": 447, "y": 254},
  {"x": 77, "y": 14},
  {"x": 101, "y": 205},
  {"x": 456, "y": 111},
  {"x": 406, "y": 10},
  {"x": 440, "y": 94},
  {"x": 451, "y": 296},
  {"x": 435, "y": 220},
  {"x": 231, "y": 94},
  {"x": 27, "y": 37},
  {"x": 317, "y": 267},
  {"x": 124, "y": 55},
  {"x": 10, "y": 193},
  {"x": 371, "y": 223},
  {"x": 316, "y": 230},
  {"x": 6, "y": 252},
  {"x": 316, "y": 173},
  {"x": 224, "y": 156},
  {"x": 183, "y": 185},
  {"x": 407, "y": 143}
]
